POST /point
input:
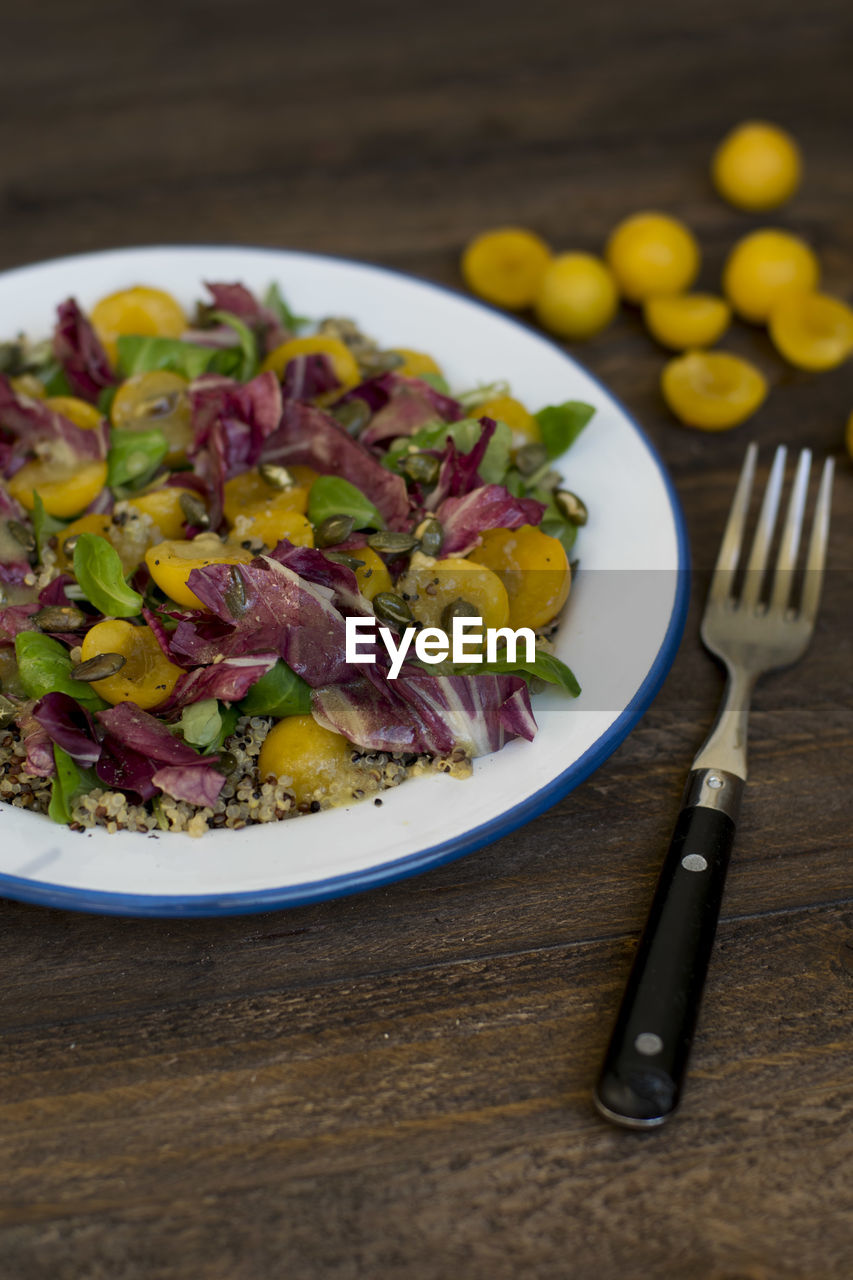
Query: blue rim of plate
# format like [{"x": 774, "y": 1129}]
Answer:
[{"x": 195, "y": 906}]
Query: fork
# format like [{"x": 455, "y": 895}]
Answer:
[{"x": 752, "y": 631}]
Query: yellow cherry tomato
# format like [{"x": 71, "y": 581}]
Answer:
[
  {"x": 164, "y": 507},
  {"x": 271, "y": 523},
  {"x": 27, "y": 384},
  {"x": 80, "y": 412},
  {"x": 429, "y": 589},
  {"x": 507, "y": 409},
  {"x": 64, "y": 487},
  {"x": 141, "y": 311},
  {"x": 249, "y": 489},
  {"x": 534, "y": 569},
  {"x": 170, "y": 564},
  {"x": 372, "y": 575},
  {"x": 687, "y": 320},
  {"x": 416, "y": 363},
  {"x": 309, "y": 758},
  {"x": 812, "y": 330},
  {"x": 712, "y": 390},
  {"x": 764, "y": 266},
  {"x": 506, "y": 266},
  {"x": 577, "y": 296},
  {"x": 342, "y": 360},
  {"x": 757, "y": 166},
  {"x": 147, "y": 677},
  {"x": 160, "y": 400},
  {"x": 652, "y": 253}
]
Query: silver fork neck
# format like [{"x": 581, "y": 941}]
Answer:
[{"x": 725, "y": 746}]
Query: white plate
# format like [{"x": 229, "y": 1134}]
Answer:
[{"x": 620, "y": 634}]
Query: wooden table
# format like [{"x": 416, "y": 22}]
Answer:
[{"x": 398, "y": 1084}]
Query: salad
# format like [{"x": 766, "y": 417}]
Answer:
[{"x": 193, "y": 512}]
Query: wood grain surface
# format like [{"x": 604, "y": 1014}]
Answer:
[{"x": 398, "y": 1084}]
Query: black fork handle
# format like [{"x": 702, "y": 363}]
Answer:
[{"x": 644, "y": 1067}]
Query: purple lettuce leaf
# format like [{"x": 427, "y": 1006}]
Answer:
[
  {"x": 14, "y": 572},
  {"x": 17, "y": 617},
  {"x": 136, "y": 729},
  {"x": 308, "y": 376},
  {"x": 410, "y": 404},
  {"x": 120, "y": 768},
  {"x": 421, "y": 712},
  {"x": 33, "y": 422},
  {"x": 272, "y": 610},
  {"x": 241, "y": 302},
  {"x": 378, "y": 391},
  {"x": 70, "y": 726},
  {"x": 308, "y": 437},
  {"x": 230, "y": 424},
  {"x": 40, "y": 762},
  {"x": 459, "y": 472},
  {"x": 196, "y": 783},
  {"x": 78, "y": 349},
  {"x": 141, "y": 755},
  {"x": 489, "y": 507},
  {"x": 313, "y": 566},
  {"x": 10, "y": 508},
  {"x": 229, "y": 680}
]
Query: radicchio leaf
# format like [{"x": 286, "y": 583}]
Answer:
[
  {"x": 14, "y": 572},
  {"x": 313, "y": 566},
  {"x": 489, "y": 507},
  {"x": 410, "y": 404},
  {"x": 427, "y": 713},
  {"x": 78, "y": 349},
  {"x": 195, "y": 783},
  {"x": 308, "y": 376},
  {"x": 230, "y": 423},
  {"x": 40, "y": 762},
  {"x": 33, "y": 423},
  {"x": 459, "y": 471},
  {"x": 141, "y": 755},
  {"x": 70, "y": 726},
  {"x": 241, "y": 302},
  {"x": 308, "y": 437},
  {"x": 281, "y": 612},
  {"x": 229, "y": 680}
]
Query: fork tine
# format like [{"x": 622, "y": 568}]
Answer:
[
  {"x": 816, "y": 557},
  {"x": 786, "y": 561},
  {"x": 730, "y": 547},
  {"x": 757, "y": 562}
]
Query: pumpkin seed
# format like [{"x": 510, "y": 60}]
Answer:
[
  {"x": 277, "y": 477},
  {"x": 234, "y": 594},
  {"x": 59, "y": 617},
  {"x": 457, "y": 608},
  {"x": 572, "y": 507},
  {"x": 68, "y": 546},
  {"x": 389, "y": 607},
  {"x": 393, "y": 544},
  {"x": 353, "y": 415},
  {"x": 530, "y": 457},
  {"x": 374, "y": 363},
  {"x": 194, "y": 510},
  {"x": 341, "y": 557},
  {"x": 431, "y": 535},
  {"x": 22, "y": 535},
  {"x": 422, "y": 468},
  {"x": 227, "y": 762},
  {"x": 7, "y": 712},
  {"x": 99, "y": 667},
  {"x": 332, "y": 530}
]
